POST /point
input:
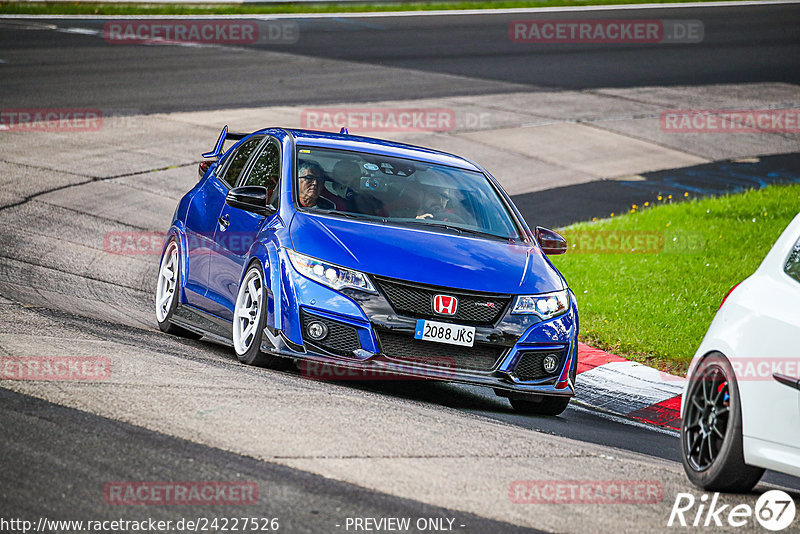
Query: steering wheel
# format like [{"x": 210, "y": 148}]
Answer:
[{"x": 445, "y": 216}]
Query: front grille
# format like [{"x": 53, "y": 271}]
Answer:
[
  {"x": 342, "y": 339},
  {"x": 530, "y": 365},
  {"x": 416, "y": 300},
  {"x": 405, "y": 347}
]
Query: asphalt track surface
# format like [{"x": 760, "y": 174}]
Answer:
[
  {"x": 49, "y": 446},
  {"x": 386, "y": 58},
  {"x": 348, "y": 59}
]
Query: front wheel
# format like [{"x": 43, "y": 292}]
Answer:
[
  {"x": 249, "y": 318},
  {"x": 712, "y": 449},
  {"x": 544, "y": 406}
]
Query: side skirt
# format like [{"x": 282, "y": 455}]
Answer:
[{"x": 207, "y": 325}]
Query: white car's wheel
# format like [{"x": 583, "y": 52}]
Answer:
[
  {"x": 249, "y": 318},
  {"x": 711, "y": 430},
  {"x": 167, "y": 287}
]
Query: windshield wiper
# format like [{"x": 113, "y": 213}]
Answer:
[
  {"x": 340, "y": 213},
  {"x": 458, "y": 229},
  {"x": 483, "y": 234},
  {"x": 434, "y": 224}
]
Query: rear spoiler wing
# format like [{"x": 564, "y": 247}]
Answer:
[{"x": 223, "y": 136}]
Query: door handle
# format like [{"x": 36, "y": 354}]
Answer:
[
  {"x": 787, "y": 380},
  {"x": 224, "y": 222}
]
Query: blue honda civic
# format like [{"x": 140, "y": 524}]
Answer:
[{"x": 378, "y": 258}]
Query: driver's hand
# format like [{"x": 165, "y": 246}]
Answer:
[{"x": 425, "y": 216}]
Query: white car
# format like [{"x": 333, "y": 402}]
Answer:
[{"x": 741, "y": 404}]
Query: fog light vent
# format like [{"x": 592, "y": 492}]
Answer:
[
  {"x": 316, "y": 330},
  {"x": 535, "y": 364},
  {"x": 550, "y": 363}
]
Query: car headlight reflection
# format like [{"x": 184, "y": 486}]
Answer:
[
  {"x": 328, "y": 274},
  {"x": 546, "y": 305}
]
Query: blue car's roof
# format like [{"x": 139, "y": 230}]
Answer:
[{"x": 378, "y": 146}]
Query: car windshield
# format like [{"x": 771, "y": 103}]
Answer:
[{"x": 401, "y": 191}]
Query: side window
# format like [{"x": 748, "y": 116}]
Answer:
[
  {"x": 266, "y": 168},
  {"x": 266, "y": 171},
  {"x": 792, "y": 266},
  {"x": 237, "y": 160}
]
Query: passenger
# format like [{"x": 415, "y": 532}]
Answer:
[
  {"x": 310, "y": 180},
  {"x": 346, "y": 179},
  {"x": 347, "y": 185}
]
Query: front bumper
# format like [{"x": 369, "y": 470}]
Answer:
[{"x": 360, "y": 324}]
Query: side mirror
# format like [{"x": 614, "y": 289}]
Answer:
[
  {"x": 252, "y": 198},
  {"x": 550, "y": 241}
]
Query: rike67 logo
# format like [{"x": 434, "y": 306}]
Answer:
[{"x": 774, "y": 510}]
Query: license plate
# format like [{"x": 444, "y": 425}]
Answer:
[{"x": 445, "y": 333}]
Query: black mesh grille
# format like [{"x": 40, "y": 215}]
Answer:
[
  {"x": 405, "y": 347},
  {"x": 416, "y": 300},
  {"x": 530, "y": 365},
  {"x": 342, "y": 339}
]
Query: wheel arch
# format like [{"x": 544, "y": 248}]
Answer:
[
  {"x": 177, "y": 232},
  {"x": 733, "y": 381},
  {"x": 706, "y": 349},
  {"x": 258, "y": 253},
  {"x": 266, "y": 256}
]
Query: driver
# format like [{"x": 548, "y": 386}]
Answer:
[
  {"x": 310, "y": 179},
  {"x": 434, "y": 204}
]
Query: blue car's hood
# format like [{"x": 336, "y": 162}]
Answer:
[{"x": 424, "y": 256}]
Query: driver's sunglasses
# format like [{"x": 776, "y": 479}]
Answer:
[{"x": 310, "y": 178}]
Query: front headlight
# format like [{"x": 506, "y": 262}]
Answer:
[
  {"x": 331, "y": 275},
  {"x": 546, "y": 305}
]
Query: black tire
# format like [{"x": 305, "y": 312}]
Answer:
[
  {"x": 166, "y": 325},
  {"x": 711, "y": 431},
  {"x": 548, "y": 405},
  {"x": 254, "y": 355}
]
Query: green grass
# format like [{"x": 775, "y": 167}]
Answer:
[
  {"x": 75, "y": 8},
  {"x": 655, "y": 307}
]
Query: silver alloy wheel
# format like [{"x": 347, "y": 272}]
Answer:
[
  {"x": 167, "y": 279},
  {"x": 247, "y": 312}
]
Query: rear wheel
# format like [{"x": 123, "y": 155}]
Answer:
[
  {"x": 543, "y": 405},
  {"x": 249, "y": 319},
  {"x": 711, "y": 430},
  {"x": 167, "y": 288}
]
